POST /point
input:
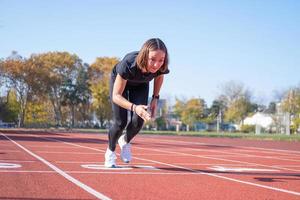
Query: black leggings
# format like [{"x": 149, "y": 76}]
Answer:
[{"x": 137, "y": 95}]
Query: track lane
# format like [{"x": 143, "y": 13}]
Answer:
[
  {"x": 183, "y": 175},
  {"x": 203, "y": 172},
  {"x": 63, "y": 174}
]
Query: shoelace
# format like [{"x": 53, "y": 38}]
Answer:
[{"x": 112, "y": 157}]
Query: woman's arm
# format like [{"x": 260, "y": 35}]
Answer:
[
  {"x": 158, "y": 81},
  {"x": 117, "y": 98}
]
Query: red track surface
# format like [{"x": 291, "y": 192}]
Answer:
[{"x": 50, "y": 166}]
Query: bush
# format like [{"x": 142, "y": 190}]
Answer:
[{"x": 248, "y": 128}]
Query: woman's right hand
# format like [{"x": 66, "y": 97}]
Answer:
[{"x": 141, "y": 110}]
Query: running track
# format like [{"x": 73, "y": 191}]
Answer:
[{"x": 56, "y": 166}]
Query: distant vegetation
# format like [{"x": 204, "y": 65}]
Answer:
[{"x": 56, "y": 89}]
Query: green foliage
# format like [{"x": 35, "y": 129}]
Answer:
[
  {"x": 99, "y": 77},
  {"x": 178, "y": 108},
  {"x": 296, "y": 124},
  {"x": 16, "y": 73},
  {"x": 291, "y": 101},
  {"x": 161, "y": 123},
  {"x": 248, "y": 128},
  {"x": 192, "y": 111},
  {"x": 271, "y": 108},
  {"x": 39, "y": 113},
  {"x": 10, "y": 108},
  {"x": 76, "y": 95},
  {"x": 55, "y": 70},
  {"x": 237, "y": 110}
]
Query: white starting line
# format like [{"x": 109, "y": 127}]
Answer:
[
  {"x": 9, "y": 165},
  {"x": 241, "y": 169},
  {"x": 119, "y": 167},
  {"x": 126, "y": 167}
]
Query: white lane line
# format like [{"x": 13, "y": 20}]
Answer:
[
  {"x": 102, "y": 167},
  {"x": 101, "y": 172},
  {"x": 226, "y": 178},
  {"x": 223, "y": 159},
  {"x": 51, "y": 146},
  {"x": 27, "y": 171},
  {"x": 192, "y": 170},
  {"x": 65, "y": 152},
  {"x": 61, "y": 172},
  {"x": 18, "y": 161},
  {"x": 267, "y": 150},
  {"x": 9, "y": 165},
  {"x": 240, "y": 169},
  {"x": 74, "y": 162}
]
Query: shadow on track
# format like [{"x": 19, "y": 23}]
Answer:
[
  {"x": 258, "y": 176},
  {"x": 48, "y": 137}
]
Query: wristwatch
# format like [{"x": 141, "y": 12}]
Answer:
[{"x": 155, "y": 97}]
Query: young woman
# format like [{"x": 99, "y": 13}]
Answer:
[{"x": 129, "y": 89}]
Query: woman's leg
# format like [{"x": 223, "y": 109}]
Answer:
[
  {"x": 119, "y": 124},
  {"x": 119, "y": 119},
  {"x": 139, "y": 96}
]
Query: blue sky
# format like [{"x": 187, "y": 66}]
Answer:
[{"x": 256, "y": 42}]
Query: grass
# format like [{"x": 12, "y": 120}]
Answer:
[{"x": 263, "y": 136}]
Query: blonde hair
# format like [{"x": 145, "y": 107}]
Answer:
[{"x": 152, "y": 44}]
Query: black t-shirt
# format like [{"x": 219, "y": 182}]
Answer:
[{"x": 128, "y": 70}]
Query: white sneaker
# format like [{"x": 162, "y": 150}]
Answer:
[
  {"x": 110, "y": 159},
  {"x": 125, "y": 149}
]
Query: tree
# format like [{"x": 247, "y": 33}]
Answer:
[
  {"x": 231, "y": 91},
  {"x": 236, "y": 100},
  {"x": 238, "y": 110},
  {"x": 271, "y": 108},
  {"x": 191, "y": 111},
  {"x": 291, "y": 105},
  {"x": 52, "y": 71},
  {"x": 77, "y": 95},
  {"x": 15, "y": 72},
  {"x": 215, "y": 110},
  {"x": 291, "y": 101},
  {"x": 10, "y": 107},
  {"x": 179, "y": 107},
  {"x": 39, "y": 112},
  {"x": 99, "y": 77}
]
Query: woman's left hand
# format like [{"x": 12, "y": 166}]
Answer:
[{"x": 153, "y": 106}]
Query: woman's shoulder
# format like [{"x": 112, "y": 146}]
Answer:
[
  {"x": 127, "y": 67},
  {"x": 130, "y": 57}
]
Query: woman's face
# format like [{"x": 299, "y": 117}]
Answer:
[{"x": 155, "y": 60}]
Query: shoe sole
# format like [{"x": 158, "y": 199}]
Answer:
[{"x": 110, "y": 166}]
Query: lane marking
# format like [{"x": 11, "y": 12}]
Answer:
[
  {"x": 267, "y": 150},
  {"x": 66, "y": 152},
  {"x": 189, "y": 169},
  {"x": 146, "y": 167},
  {"x": 26, "y": 171},
  {"x": 61, "y": 172},
  {"x": 224, "y": 177},
  {"x": 241, "y": 154},
  {"x": 102, "y": 167},
  {"x": 9, "y": 165},
  {"x": 240, "y": 169},
  {"x": 18, "y": 161},
  {"x": 221, "y": 159},
  {"x": 119, "y": 167}
]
